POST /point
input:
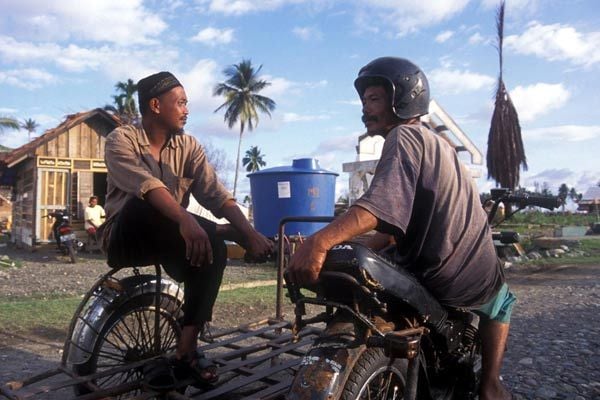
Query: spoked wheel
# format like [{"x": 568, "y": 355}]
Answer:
[
  {"x": 376, "y": 377},
  {"x": 128, "y": 331},
  {"x": 130, "y": 338}
]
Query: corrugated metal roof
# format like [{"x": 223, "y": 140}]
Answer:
[{"x": 592, "y": 193}]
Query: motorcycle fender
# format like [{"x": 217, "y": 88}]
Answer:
[{"x": 323, "y": 371}]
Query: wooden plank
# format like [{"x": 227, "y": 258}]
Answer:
[{"x": 85, "y": 145}]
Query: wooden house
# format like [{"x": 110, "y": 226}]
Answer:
[
  {"x": 590, "y": 201},
  {"x": 58, "y": 170}
]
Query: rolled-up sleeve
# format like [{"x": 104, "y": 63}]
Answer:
[
  {"x": 206, "y": 188},
  {"x": 126, "y": 169}
]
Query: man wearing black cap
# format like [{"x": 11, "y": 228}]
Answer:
[{"x": 152, "y": 170}]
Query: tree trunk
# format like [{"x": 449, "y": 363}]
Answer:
[{"x": 237, "y": 162}]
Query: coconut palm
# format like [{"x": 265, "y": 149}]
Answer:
[
  {"x": 242, "y": 101},
  {"x": 505, "y": 153},
  {"x": 9, "y": 123},
  {"x": 563, "y": 192},
  {"x": 253, "y": 160},
  {"x": 124, "y": 102},
  {"x": 573, "y": 195},
  {"x": 30, "y": 126}
]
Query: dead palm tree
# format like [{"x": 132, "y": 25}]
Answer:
[
  {"x": 30, "y": 126},
  {"x": 253, "y": 160},
  {"x": 9, "y": 123},
  {"x": 505, "y": 152},
  {"x": 242, "y": 101}
]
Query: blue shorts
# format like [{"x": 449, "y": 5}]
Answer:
[{"x": 499, "y": 308}]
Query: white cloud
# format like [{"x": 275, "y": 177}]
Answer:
[
  {"x": 7, "y": 110},
  {"x": 407, "y": 16},
  {"x": 115, "y": 62},
  {"x": 444, "y": 36},
  {"x": 281, "y": 87},
  {"x": 512, "y": 5},
  {"x": 535, "y": 100},
  {"x": 454, "y": 81},
  {"x": 346, "y": 143},
  {"x": 125, "y": 22},
  {"x": 214, "y": 36},
  {"x": 199, "y": 82},
  {"x": 569, "y": 133},
  {"x": 557, "y": 42},
  {"x": 307, "y": 33},
  {"x": 240, "y": 7},
  {"x": 28, "y": 78},
  {"x": 476, "y": 38},
  {"x": 293, "y": 117},
  {"x": 554, "y": 177}
]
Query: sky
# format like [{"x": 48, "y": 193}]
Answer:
[{"x": 65, "y": 56}]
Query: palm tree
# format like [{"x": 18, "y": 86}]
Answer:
[
  {"x": 7, "y": 122},
  {"x": 30, "y": 126},
  {"x": 253, "y": 160},
  {"x": 573, "y": 195},
  {"x": 124, "y": 102},
  {"x": 242, "y": 101},
  {"x": 563, "y": 192}
]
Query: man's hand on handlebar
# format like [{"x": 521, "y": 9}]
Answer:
[
  {"x": 258, "y": 246},
  {"x": 306, "y": 263}
]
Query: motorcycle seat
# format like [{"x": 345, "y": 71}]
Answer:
[{"x": 391, "y": 279}]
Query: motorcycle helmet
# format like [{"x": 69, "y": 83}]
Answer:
[{"x": 403, "y": 80}]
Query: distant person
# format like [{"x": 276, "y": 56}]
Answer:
[
  {"x": 152, "y": 171},
  {"x": 423, "y": 196},
  {"x": 94, "y": 216}
]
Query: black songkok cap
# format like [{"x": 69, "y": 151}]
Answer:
[{"x": 155, "y": 85}]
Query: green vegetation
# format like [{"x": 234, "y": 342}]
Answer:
[
  {"x": 559, "y": 219},
  {"x": 33, "y": 314},
  {"x": 53, "y": 314},
  {"x": 591, "y": 248}
]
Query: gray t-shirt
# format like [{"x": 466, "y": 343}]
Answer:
[{"x": 423, "y": 195}]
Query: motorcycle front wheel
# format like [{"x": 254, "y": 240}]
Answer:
[
  {"x": 376, "y": 377},
  {"x": 71, "y": 249}
]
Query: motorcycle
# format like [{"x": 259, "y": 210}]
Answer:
[
  {"x": 66, "y": 240},
  {"x": 386, "y": 336}
]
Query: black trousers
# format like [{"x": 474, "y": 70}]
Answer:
[{"x": 141, "y": 236}]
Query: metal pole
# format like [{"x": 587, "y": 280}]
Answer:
[
  {"x": 281, "y": 257},
  {"x": 157, "y": 296}
]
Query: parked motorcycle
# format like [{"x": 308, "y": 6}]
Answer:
[
  {"x": 386, "y": 336},
  {"x": 66, "y": 240}
]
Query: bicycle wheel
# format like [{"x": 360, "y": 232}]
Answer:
[{"x": 128, "y": 335}]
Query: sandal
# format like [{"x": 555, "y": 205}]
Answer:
[
  {"x": 158, "y": 375},
  {"x": 196, "y": 366}
]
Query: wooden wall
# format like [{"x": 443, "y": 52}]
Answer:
[
  {"x": 81, "y": 141},
  {"x": 24, "y": 204},
  {"x": 81, "y": 144}
]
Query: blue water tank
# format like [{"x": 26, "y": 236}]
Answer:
[{"x": 304, "y": 189}]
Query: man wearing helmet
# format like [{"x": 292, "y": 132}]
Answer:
[{"x": 423, "y": 197}]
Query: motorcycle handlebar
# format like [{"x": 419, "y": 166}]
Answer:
[{"x": 549, "y": 203}]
